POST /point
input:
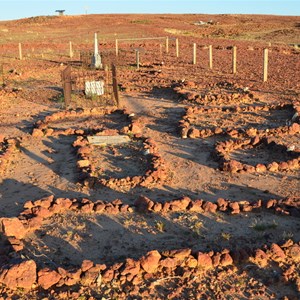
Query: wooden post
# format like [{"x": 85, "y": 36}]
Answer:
[
  {"x": 265, "y": 65},
  {"x": 20, "y": 51},
  {"x": 2, "y": 75},
  {"x": 67, "y": 85},
  {"x": 71, "y": 50},
  {"x": 167, "y": 44},
  {"x": 117, "y": 48},
  {"x": 234, "y": 59},
  {"x": 210, "y": 57},
  {"x": 115, "y": 84},
  {"x": 194, "y": 53},
  {"x": 137, "y": 55},
  {"x": 177, "y": 48}
]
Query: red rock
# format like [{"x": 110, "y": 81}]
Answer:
[
  {"x": 37, "y": 132},
  {"x": 144, "y": 204},
  {"x": 210, "y": 207},
  {"x": 22, "y": 275},
  {"x": 132, "y": 267},
  {"x": 90, "y": 276},
  {"x": 273, "y": 167},
  {"x": 169, "y": 262},
  {"x": 108, "y": 275},
  {"x": 86, "y": 264},
  {"x": 87, "y": 208},
  {"x": 13, "y": 227},
  {"x": 260, "y": 168},
  {"x": 35, "y": 222},
  {"x": 204, "y": 261},
  {"x": 216, "y": 259},
  {"x": 99, "y": 207},
  {"x": 226, "y": 260},
  {"x": 180, "y": 254},
  {"x": 260, "y": 257},
  {"x": 294, "y": 128},
  {"x": 16, "y": 244},
  {"x": 63, "y": 203},
  {"x": 271, "y": 203},
  {"x": 277, "y": 253},
  {"x": 84, "y": 150},
  {"x": 48, "y": 278},
  {"x": 44, "y": 202},
  {"x": 283, "y": 166},
  {"x": 83, "y": 163},
  {"x": 235, "y": 208},
  {"x": 157, "y": 207},
  {"x": 181, "y": 204},
  {"x": 294, "y": 252},
  {"x": 111, "y": 209},
  {"x": 191, "y": 262},
  {"x": 196, "y": 206},
  {"x": 222, "y": 204},
  {"x": 150, "y": 261},
  {"x": 232, "y": 166},
  {"x": 41, "y": 212}
]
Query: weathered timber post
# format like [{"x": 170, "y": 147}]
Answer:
[
  {"x": 20, "y": 51},
  {"x": 2, "y": 74},
  {"x": 234, "y": 59},
  {"x": 67, "y": 85},
  {"x": 71, "y": 50},
  {"x": 115, "y": 84},
  {"x": 177, "y": 47},
  {"x": 194, "y": 53},
  {"x": 265, "y": 76},
  {"x": 210, "y": 57},
  {"x": 167, "y": 44},
  {"x": 137, "y": 56},
  {"x": 117, "y": 48}
]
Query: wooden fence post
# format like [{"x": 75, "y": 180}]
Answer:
[
  {"x": 115, "y": 84},
  {"x": 265, "y": 76},
  {"x": 167, "y": 44},
  {"x": 20, "y": 51},
  {"x": 117, "y": 48},
  {"x": 71, "y": 50},
  {"x": 137, "y": 55},
  {"x": 194, "y": 53},
  {"x": 177, "y": 47},
  {"x": 210, "y": 57},
  {"x": 234, "y": 59},
  {"x": 67, "y": 85}
]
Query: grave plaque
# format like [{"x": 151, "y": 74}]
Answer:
[
  {"x": 94, "y": 88},
  {"x": 108, "y": 139}
]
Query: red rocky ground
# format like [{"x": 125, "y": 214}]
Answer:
[{"x": 203, "y": 203}]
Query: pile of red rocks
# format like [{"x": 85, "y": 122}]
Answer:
[
  {"x": 43, "y": 127},
  {"x": 223, "y": 150},
  {"x": 17, "y": 272},
  {"x": 286, "y": 206},
  {"x": 156, "y": 174},
  {"x": 188, "y": 130},
  {"x": 131, "y": 273},
  {"x": 7, "y": 148},
  {"x": 218, "y": 94}
]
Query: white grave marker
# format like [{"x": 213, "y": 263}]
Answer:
[{"x": 94, "y": 88}]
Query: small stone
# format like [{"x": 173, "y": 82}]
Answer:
[{"x": 13, "y": 227}]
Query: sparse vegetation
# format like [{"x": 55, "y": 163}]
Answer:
[{"x": 263, "y": 226}]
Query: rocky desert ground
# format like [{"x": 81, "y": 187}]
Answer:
[{"x": 201, "y": 202}]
